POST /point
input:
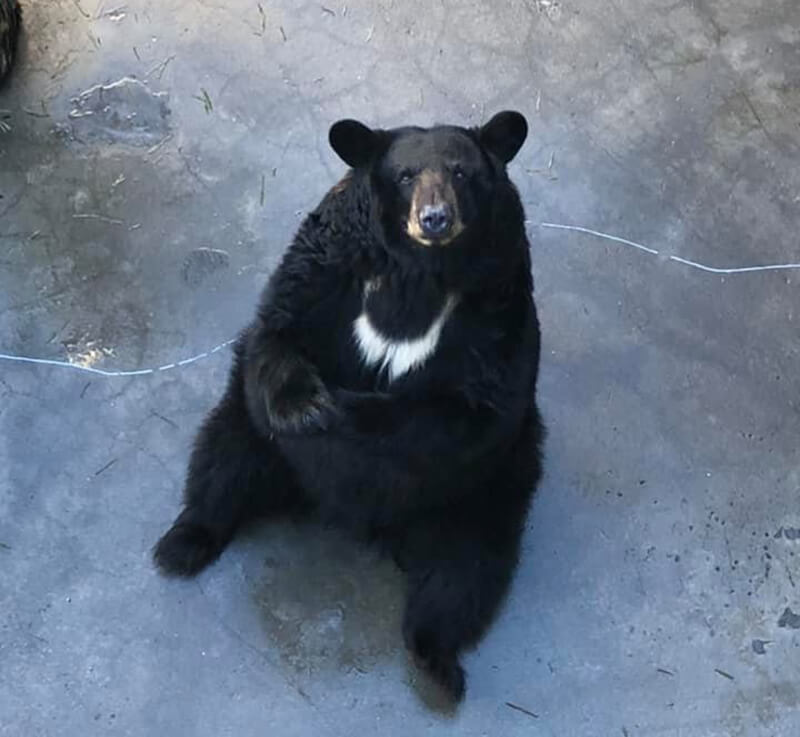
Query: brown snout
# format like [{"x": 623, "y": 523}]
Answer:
[{"x": 433, "y": 216}]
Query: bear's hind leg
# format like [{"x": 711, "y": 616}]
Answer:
[
  {"x": 457, "y": 581},
  {"x": 234, "y": 472},
  {"x": 460, "y": 563}
]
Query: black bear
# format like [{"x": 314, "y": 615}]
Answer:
[
  {"x": 387, "y": 383},
  {"x": 10, "y": 21}
]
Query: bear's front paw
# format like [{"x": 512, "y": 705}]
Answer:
[
  {"x": 365, "y": 413},
  {"x": 185, "y": 550},
  {"x": 300, "y": 403}
]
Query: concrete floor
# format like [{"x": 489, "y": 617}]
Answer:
[{"x": 658, "y": 590}]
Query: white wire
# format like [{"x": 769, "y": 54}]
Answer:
[
  {"x": 678, "y": 259},
  {"x": 104, "y": 372}
]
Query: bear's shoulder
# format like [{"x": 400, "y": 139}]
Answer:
[{"x": 337, "y": 232}]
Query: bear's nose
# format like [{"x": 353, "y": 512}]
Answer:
[{"x": 435, "y": 220}]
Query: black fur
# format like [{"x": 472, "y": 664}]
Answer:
[
  {"x": 10, "y": 23},
  {"x": 437, "y": 466}
]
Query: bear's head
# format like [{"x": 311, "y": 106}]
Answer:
[{"x": 433, "y": 188}]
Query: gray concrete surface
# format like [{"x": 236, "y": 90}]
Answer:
[{"x": 662, "y": 552}]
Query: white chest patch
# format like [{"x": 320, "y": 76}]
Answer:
[{"x": 398, "y": 357}]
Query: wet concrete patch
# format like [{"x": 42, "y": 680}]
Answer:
[
  {"x": 78, "y": 222},
  {"x": 789, "y": 620},
  {"x": 328, "y": 604},
  {"x": 125, "y": 111}
]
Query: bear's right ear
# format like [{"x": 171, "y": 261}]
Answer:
[
  {"x": 353, "y": 142},
  {"x": 504, "y": 134}
]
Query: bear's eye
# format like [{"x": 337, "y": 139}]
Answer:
[
  {"x": 458, "y": 172},
  {"x": 405, "y": 176}
]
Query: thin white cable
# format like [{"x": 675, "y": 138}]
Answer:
[
  {"x": 678, "y": 259},
  {"x": 104, "y": 372}
]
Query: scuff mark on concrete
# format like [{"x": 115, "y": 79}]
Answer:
[{"x": 125, "y": 111}]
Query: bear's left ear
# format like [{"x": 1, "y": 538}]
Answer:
[
  {"x": 353, "y": 142},
  {"x": 504, "y": 134}
]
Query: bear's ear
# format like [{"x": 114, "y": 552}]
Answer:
[
  {"x": 504, "y": 134},
  {"x": 353, "y": 142}
]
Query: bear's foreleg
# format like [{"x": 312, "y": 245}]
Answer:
[{"x": 233, "y": 473}]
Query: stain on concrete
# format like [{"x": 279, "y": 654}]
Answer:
[
  {"x": 125, "y": 111},
  {"x": 328, "y": 604},
  {"x": 789, "y": 620}
]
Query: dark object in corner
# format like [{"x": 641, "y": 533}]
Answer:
[{"x": 10, "y": 21}]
